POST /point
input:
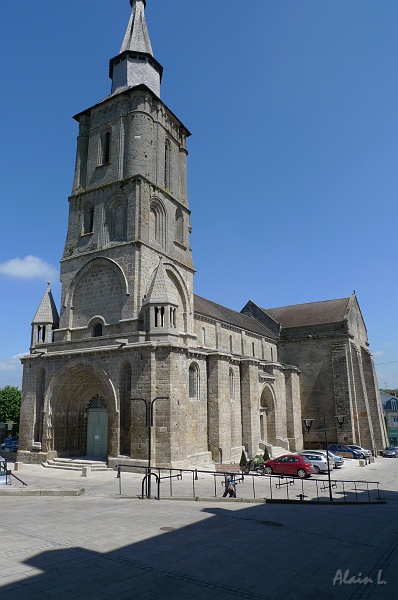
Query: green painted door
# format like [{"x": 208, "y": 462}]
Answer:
[{"x": 97, "y": 434}]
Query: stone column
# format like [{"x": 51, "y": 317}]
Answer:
[
  {"x": 250, "y": 405},
  {"x": 81, "y": 154}
]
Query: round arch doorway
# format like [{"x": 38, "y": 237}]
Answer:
[
  {"x": 82, "y": 406},
  {"x": 267, "y": 416}
]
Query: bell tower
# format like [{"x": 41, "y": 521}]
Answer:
[{"x": 128, "y": 212}]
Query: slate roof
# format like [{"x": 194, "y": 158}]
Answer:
[
  {"x": 137, "y": 37},
  {"x": 159, "y": 291},
  {"x": 210, "y": 309},
  {"x": 311, "y": 313},
  {"x": 47, "y": 311}
]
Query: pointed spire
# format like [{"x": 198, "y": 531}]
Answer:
[
  {"x": 160, "y": 291},
  {"x": 47, "y": 313},
  {"x": 137, "y": 37},
  {"x": 135, "y": 64}
]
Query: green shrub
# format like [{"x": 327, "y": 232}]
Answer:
[
  {"x": 243, "y": 460},
  {"x": 258, "y": 459}
]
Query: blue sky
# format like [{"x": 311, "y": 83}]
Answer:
[{"x": 292, "y": 171}]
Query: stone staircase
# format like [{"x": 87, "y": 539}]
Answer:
[
  {"x": 278, "y": 451},
  {"x": 226, "y": 468},
  {"x": 75, "y": 464}
]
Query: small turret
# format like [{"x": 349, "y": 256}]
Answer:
[
  {"x": 135, "y": 63},
  {"x": 160, "y": 306},
  {"x": 45, "y": 320}
]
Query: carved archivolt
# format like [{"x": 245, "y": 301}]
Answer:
[{"x": 97, "y": 402}]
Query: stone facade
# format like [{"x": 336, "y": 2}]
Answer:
[
  {"x": 328, "y": 342},
  {"x": 131, "y": 329}
]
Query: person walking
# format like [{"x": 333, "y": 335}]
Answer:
[{"x": 230, "y": 486}]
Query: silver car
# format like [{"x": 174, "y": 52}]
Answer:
[
  {"x": 318, "y": 460},
  {"x": 336, "y": 460},
  {"x": 390, "y": 452},
  {"x": 362, "y": 451}
]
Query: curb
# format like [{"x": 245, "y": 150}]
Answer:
[{"x": 22, "y": 492}]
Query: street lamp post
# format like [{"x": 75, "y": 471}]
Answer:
[
  {"x": 308, "y": 424},
  {"x": 149, "y": 424}
]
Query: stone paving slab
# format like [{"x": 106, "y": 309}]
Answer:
[
  {"x": 102, "y": 545},
  {"x": 206, "y": 486}
]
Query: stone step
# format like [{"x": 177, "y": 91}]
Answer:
[
  {"x": 278, "y": 451},
  {"x": 68, "y": 464},
  {"x": 227, "y": 468}
]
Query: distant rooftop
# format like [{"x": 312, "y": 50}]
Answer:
[{"x": 311, "y": 313}]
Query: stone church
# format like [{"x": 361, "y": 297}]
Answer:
[{"x": 131, "y": 334}]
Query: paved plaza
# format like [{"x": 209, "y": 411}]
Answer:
[{"x": 102, "y": 544}]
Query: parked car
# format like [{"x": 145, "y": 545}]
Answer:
[
  {"x": 345, "y": 451},
  {"x": 319, "y": 461},
  {"x": 364, "y": 453},
  {"x": 338, "y": 461},
  {"x": 289, "y": 464},
  {"x": 390, "y": 452},
  {"x": 10, "y": 445}
]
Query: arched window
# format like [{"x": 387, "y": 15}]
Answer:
[
  {"x": 120, "y": 224},
  {"x": 41, "y": 334},
  {"x": 231, "y": 384},
  {"x": 106, "y": 147},
  {"x": 88, "y": 218},
  {"x": 193, "y": 381},
  {"x": 97, "y": 330},
  {"x": 159, "y": 316},
  {"x": 167, "y": 164},
  {"x": 253, "y": 349},
  {"x": 231, "y": 346},
  {"x": 173, "y": 322},
  {"x": 203, "y": 336},
  {"x": 153, "y": 224},
  {"x": 179, "y": 226},
  {"x": 157, "y": 223},
  {"x": 116, "y": 218}
]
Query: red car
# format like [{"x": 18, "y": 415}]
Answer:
[{"x": 289, "y": 464}]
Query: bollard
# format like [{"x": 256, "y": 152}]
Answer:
[
  {"x": 86, "y": 471},
  {"x": 372, "y": 460},
  {"x": 18, "y": 466},
  {"x": 361, "y": 463}
]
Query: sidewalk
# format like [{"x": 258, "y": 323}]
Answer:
[
  {"x": 206, "y": 485},
  {"x": 102, "y": 545}
]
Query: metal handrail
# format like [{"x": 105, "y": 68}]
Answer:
[
  {"x": 284, "y": 441},
  {"x": 281, "y": 482},
  {"x": 7, "y": 473},
  {"x": 218, "y": 448}
]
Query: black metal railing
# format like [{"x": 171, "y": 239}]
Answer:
[
  {"x": 4, "y": 472},
  {"x": 7, "y": 473},
  {"x": 210, "y": 484}
]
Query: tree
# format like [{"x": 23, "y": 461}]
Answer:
[
  {"x": 243, "y": 460},
  {"x": 10, "y": 404}
]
